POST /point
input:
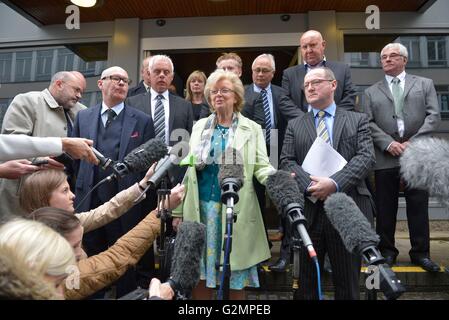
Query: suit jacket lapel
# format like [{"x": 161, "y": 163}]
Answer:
[
  {"x": 409, "y": 82},
  {"x": 339, "y": 123},
  {"x": 300, "y": 81},
  {"x": 383, "y": 86},
  {"x": 129, "y": 123},
  {"x": 171, "y": 117},
  {"x": 275, "y": 93},
  {"x": 310, "y": 125},
  {"x": 94, "y": 123}
]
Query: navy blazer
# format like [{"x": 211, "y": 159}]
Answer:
[
  {"x": 293, "y": 82},
  {"x": 140, "y": 88},
  {"x": 136, "y": 131}
]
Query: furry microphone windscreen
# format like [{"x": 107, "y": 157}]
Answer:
[
  {"x": 189, "y": 246},
  {"x": 231, "y": 166},
  {"x": 424, "y": 166},
  {"x": 352, "y": 226},
  {"x": 142, "y": 157},
  {"x": 283, "y": 190}
]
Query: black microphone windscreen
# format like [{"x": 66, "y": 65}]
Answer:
[
  {"x": 231, "y": 166},
  {"x": 189, "y": 246},
  {"x": 142, "y": 157},
  {"x": 345, "y": 216},
  {"x": 423, "y": 166},
  {"x": 283, "y": 190}
]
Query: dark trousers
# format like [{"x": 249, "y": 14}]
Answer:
[
  {"x": 417, "y": 202},
  {"x": 345, "y": 265}
]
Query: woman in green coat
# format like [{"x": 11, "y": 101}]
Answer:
[{"x": 226, "y": 128}]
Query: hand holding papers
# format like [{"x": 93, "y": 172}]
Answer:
[{"x": 322, "y": 160}]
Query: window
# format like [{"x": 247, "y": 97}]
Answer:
[
  {"x": 65, "y": 60},
  {"x": 436, "y": 48},
  {"x": 5, "y": 66},
  {"x": 23, "y": 66},
  {"x": 86, "y": 68},
  {"x": 412, "y": 45},
  {"x": 424, "y": 51},
  {"x": 43, "y": 65},
  {"x": 443, "y": 100}
]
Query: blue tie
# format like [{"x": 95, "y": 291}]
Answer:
[
  {"x": 266, "y": 111},
  {"x": 159, "y": 118}
]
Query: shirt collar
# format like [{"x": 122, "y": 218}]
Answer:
[
  {"x": 154, "y": 94},
  {"x": 117, "y": 108},
  {"x": 258, "y": 89},
  {"x": 400, "y": 76},
  {"x": 322, "y": 63},
  {"x": 331, "y": 109}
]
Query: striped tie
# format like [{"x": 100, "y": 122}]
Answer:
[
  {"x": 321, "y": 129},
  {"x": 159, "y": 118},
  {"x": 266, "y": 111}
]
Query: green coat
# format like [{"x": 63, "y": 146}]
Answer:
[{"x": 249, "y": 245}]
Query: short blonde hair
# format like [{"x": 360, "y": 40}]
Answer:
[
  {"x": 238, "y": 89},
  {"x": 43, "y": 249},
  {"x": 197, "y": 74}
]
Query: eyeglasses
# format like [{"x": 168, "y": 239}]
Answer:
[
  {"x": 223, "y": 91},
  {"x": 263, "y": 70},
  {"x": 117, "y": 79},
  {"x": 315, "y": 82},
  {"x": 391, "y": 56}
]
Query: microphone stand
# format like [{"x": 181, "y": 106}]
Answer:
[
  {"x": 229, "y": 197},
  {"x": 163, "y": 194}
]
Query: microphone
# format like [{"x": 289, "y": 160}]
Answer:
[
  {"x": 358, "y": 237},
  {"x": 185, "y": 268},
  {"x": 230, "y": 176},
  {"x": 423, "y": 166},
  {"x": 284, "y": 192},
  {"x": 104, "y": 162},
  {"x": 139, "y": 159},
  {"x": 173, "y": 159}
]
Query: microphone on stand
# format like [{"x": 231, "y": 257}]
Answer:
[
  {"x": 284, "y": 192},
  {"x": 359, "y": 238},
  {"x": 230, "y": 176}
]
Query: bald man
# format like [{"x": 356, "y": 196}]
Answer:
[
  {"x": 116, "y": 129},
  {"x": 47, "y": 113},
  {"x": 312, "y": 47}
]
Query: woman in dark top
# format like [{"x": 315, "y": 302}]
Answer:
[{"x": 195, "y": 93}]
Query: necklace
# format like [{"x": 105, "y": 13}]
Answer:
[{"x": 224, "y": 132}]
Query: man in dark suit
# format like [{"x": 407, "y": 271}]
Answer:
[
  {"x": 116, "y": 129},
  {"x": 144, "y": 84},
  {"x": 171, "y": 116},
  {"x": 262, "y": 100},
  {"x": 312, "y": 48},
  {"x": 349, "y": 135},
  {"x": 401, "y": 107}
]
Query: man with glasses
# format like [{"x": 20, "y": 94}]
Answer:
[
  {"x": 348, "y": 133},
  {"x": 116, "y": 129},
  {"x": 401, "y": 107},
  {"x": 47, "y": 113},
  {"x": 312, "y": 47},
  {"x": 262, "y": 100}
]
